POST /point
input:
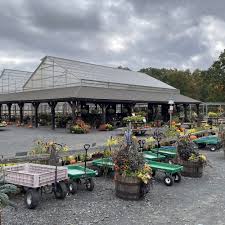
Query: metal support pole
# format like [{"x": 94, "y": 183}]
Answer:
[{"x": 170, "y": 119}]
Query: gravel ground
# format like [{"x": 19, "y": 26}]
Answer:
[
  {"x": 20, "y": 139},
  {"x": 195, "y": 201}
]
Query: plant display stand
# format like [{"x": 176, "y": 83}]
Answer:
[
  {"x": 191, "y": 169},
  {"x": 130, "y": 188}
]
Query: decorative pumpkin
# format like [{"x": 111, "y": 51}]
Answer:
[
  {"x": 182, "y": 129},
  {"x": 193, "y": 137},
  {"x": 173, "y": 123},
  {"x": 73, "y": 161}
]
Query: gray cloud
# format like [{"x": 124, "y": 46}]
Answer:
[{"x": 173, "y": 34}]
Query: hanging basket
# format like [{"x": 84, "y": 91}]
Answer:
[{"x": 130, "y": 188}]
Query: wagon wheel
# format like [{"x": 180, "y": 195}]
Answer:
[
  {"x": 168, "y": 180},
  {"x": 60, "y": 190},
  {"x": 212, "y": 148},
  {"x": 72, "y": 186},
  {"x": 89, "y": 184},
  {"x": 177, "y": 177},
  {"x": 99, "y": 171},
  {"x": 32, "y": 198},
  {"x": 153, "y": 173}
]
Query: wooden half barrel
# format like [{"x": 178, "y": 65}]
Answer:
[
  {"x": 128, "y": 188},
  {"x": 191, "y": 169}
]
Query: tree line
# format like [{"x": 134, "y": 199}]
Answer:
[{"x": 204, "y": 85}]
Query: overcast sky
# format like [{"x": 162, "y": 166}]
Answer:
[{"x": 135, "y": 33}]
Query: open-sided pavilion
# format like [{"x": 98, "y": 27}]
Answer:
[{"x": 78, "y": 83}]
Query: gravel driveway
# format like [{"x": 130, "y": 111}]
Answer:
[{"x": 195, "y": 201}]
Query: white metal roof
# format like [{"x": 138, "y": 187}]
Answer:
[
  {"x": 13, "y": 80},
  {"x": 92, "y": 72}
]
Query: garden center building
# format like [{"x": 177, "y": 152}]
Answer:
[{"x": 71, "y": 86}]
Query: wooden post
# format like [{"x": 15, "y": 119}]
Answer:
[
  {"x": 155, "y": 111},
  {"x": 21, "y": 106},
  {"x": 9, "y": 105},
  {"x": 0, "y": 112},
  {"x": 74, "y": 107},
  {"x": 36, "y": 105},
  {"x": 177, "y": 108},
  {"x": 150, "y": 112},
  {"x": 198, "y": 115},
  {"x": 130, "y": 108},
  {"x": 165, "y": 113},
  {"x": 52, "y": 106},
  {"x": 185, "y": 112},
  {"x": 103, "y": 107}
]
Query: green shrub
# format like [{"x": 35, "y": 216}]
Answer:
[
  {"x": 212, "y": 114},
  {"x": 76, "y": 129},
  {"x": 133, "y": 119}
]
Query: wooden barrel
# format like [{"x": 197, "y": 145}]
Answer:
[
  {"x": 128, "y": 188},
  {"x": 191, "y": 169}
]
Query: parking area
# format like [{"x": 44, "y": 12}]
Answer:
[{"x": 20, "y": 139}]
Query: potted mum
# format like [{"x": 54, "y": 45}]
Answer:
[
  {"x": 192, "y": 161},
  {"x": 132, "y": 175}
]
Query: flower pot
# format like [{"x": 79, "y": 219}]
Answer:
[
  {"x": 130, "y": 188},
  {"x": 191, "y": 169}
]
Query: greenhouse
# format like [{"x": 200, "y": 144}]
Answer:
[{"x": 69, "y": 86}]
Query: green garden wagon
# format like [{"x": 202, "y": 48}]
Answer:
[
  {"x": 172, "y": 172},
  {"x": 212, "y": 142},
  {"x": 77, "y": 174}
]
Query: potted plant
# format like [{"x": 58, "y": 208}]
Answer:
[
  {"x": 150, "y": 143},
  {"x": 105, "y": 127},
  {"x": 132, "y": 175},
  {"x": 192, "y": 161},
  {"x": 80, "y": 127},
  {"x": 5, "y": 190}
]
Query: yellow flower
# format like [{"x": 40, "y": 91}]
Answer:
[{"x": 203, "y": 157}]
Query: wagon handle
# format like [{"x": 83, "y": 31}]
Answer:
[
  {"x": 86, "y": 147},
  {"x": 141, "y": 144}
]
